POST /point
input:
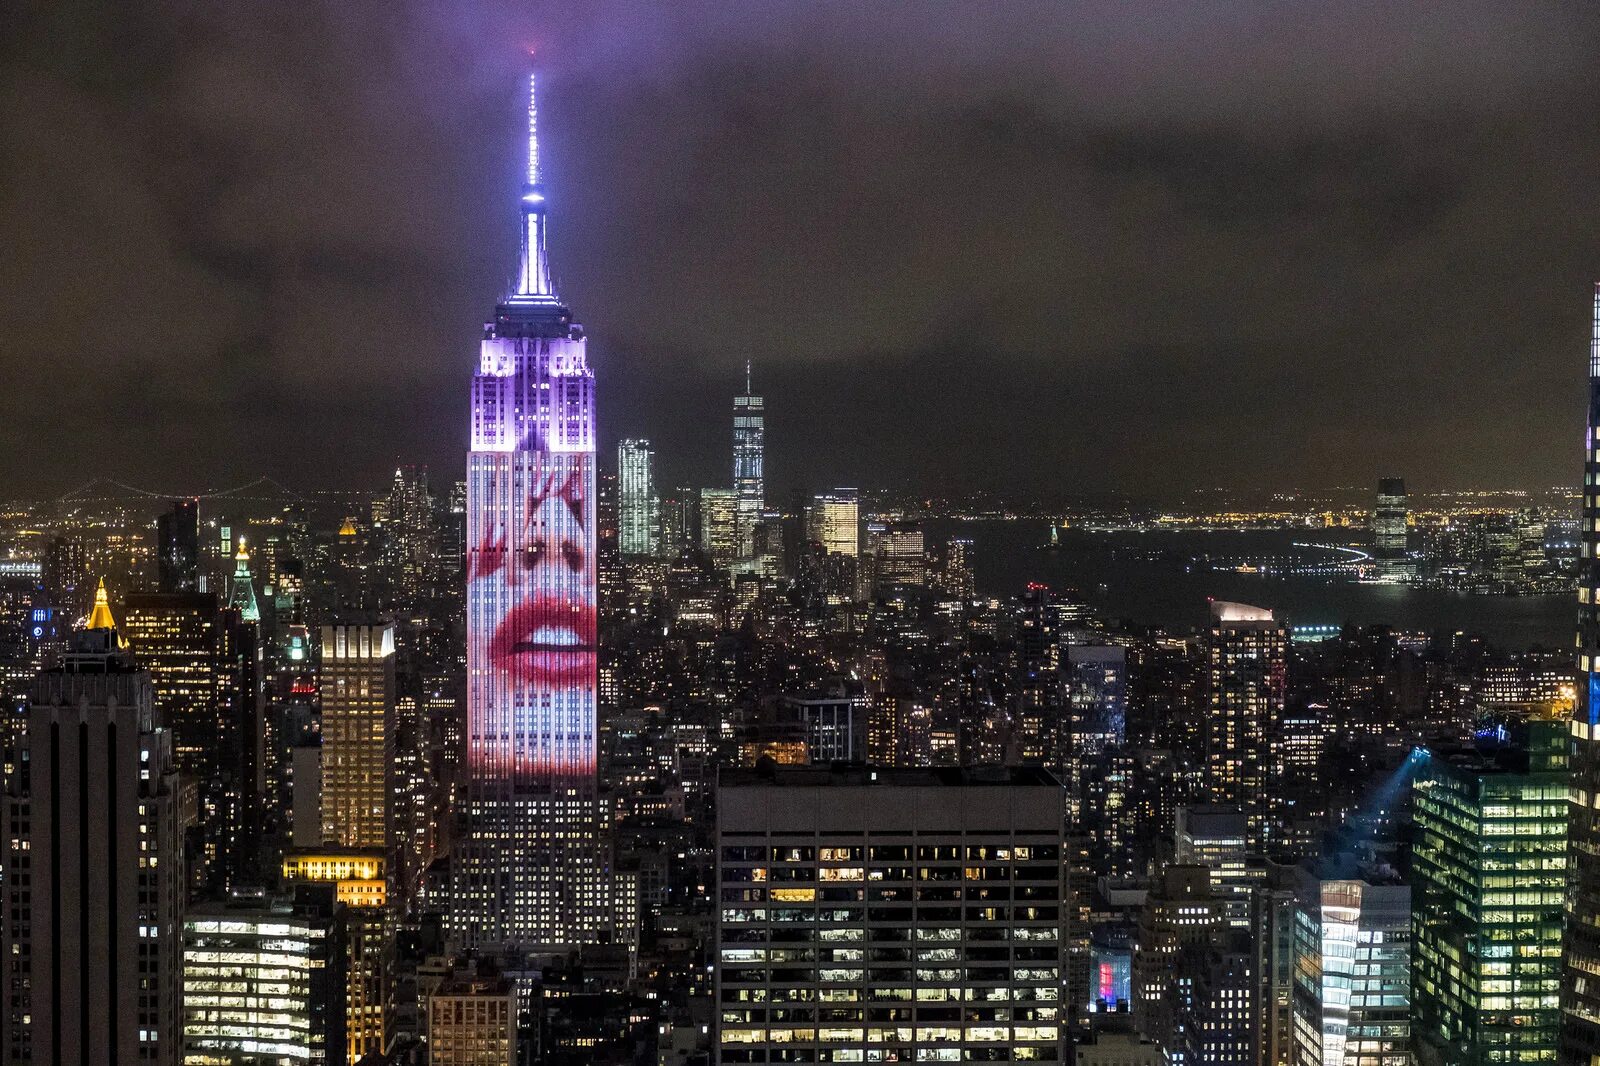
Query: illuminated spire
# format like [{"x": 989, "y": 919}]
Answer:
[
  {"x": 533, "y": 281},
  {"x": 533, "y": 128},
  {"x": 100, "y": 616},
  {"x": 242, "y": 596}
]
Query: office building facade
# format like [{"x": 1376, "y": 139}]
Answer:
[
  {"x": 889, "y": 915},
  {"x": 1489, "y": 878},
  {"x": 264, "y": 981},
  {"x": 472, "y": 1021},
  {"x": 1352, "y": 983},
  {"x": 358, "y": 735},
  {"x": 833, "y": 520},
  {"x": 638, "y": 502},
  {"x": 361, "y": 885},
  {"x": 897, "y": 555}
]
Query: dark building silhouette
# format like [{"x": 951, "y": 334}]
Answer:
[{"x": 178, "y": 547}]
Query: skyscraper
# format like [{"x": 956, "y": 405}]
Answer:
[
  {"x": 719, "y": 525},
  {"x": 1389, "y": 516},
  {"x": 833, "y": 520},
  {"x": 264, "y": 980},
  {"x": 1247, "y": 660},
  {"x": 749, "y": 478},
  {"x": 638, "y": 504},
  {"x": 242, "y": 590},
  {"x": 1352, "y": 944},
  {"x": 926, "y": 894},
  {"x": 411, "y": 546},
  {"x": 93, "y": 873},
  {"x": 360, "y": 882},
  {"x": 897, "y": 553},
  {"x": 955, "y": 575},
  {"x": 1580, "y": 1028},
  {"x": 528, "y": 872},
  {"x": 358, "y": 728},
  {"x": 1488, "y": 881},
  {"x": 205, "y": 662},
  {"x": 1389, "y": 528},
  {"x": 178, "y": 547}
]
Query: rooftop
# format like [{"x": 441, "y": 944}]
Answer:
[{"x": 857, "y": 774}]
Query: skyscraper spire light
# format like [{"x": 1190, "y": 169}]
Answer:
[
  {"x": 533, "y": 128},
  {"x": 100, "y": 617},
  {"x": 533, "y": 282}
]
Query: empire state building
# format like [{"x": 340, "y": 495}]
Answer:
[{"x": 528, "y": 873}]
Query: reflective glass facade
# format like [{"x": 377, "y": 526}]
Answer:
[
  {"x": 1489, "y": 871},
  {"x": 1352, "y": 979}
]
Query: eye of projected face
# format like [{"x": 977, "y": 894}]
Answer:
[{"x": 569, "y": 492}]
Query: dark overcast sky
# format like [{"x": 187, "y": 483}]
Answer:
[{"x": 1075, "y": 245}]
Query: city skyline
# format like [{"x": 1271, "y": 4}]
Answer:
[
  {"x": 1388, "y": 288},
  {"x": 869, "y": 742}
]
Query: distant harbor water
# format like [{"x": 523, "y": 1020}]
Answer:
[{"x": 1148, "y": 578}]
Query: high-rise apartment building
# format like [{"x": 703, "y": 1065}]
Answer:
[
  {"x": 178, "y": 547},
  {"x": 638, "y": 502},
  {"x": 680, "y": 521},
  {"x": 1096, "y": 678},
  {"x": 1180, "y": 915},
  {"x": 19, "y": 593},
  {"x": 1247, "y": 667},
  {"x": 1489, "y": 878},
  {"x": 749, "y": 464},
  {"x": 1580, "y": 1026},
  {"x": 1218, "y": 990},
  {"x": 528, "y": 871},
  {"x": 93, "y": 872},
  {"x": 956, "y": 577},
  {"x": 66, "y": 575},
  {"x": 358, "y": 735},
  {"x": 1041, "y": 725},
  {"x": 889, "y": 915}
]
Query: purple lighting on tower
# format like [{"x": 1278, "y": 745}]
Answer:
[{"x": 529, "y": 871}]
